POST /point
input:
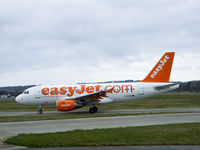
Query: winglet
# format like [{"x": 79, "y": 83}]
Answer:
[{"x": 162, "y": 70}]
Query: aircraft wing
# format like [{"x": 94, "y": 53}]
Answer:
[
  {"x": 164, "y": 87},
  {"x": 92, "y": 97}
]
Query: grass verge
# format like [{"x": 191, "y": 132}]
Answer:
[
  {"x": 173, "y": 134},
  {"x": 159, "y": 101}
]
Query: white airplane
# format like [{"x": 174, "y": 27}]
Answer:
[{"x": 71, "y": 97}]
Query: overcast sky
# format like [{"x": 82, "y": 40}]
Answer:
[{"x": 69, "y": 41}]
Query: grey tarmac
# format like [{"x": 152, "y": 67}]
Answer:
[
  {"x": 123, "y": 111},
  {"x": 13, "y": 128}
]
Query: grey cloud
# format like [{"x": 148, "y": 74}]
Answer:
[{"x": 43, "y": 35}]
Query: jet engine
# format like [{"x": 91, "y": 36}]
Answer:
[{"x": 67, "y": 105}]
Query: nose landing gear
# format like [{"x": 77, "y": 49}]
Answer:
[
  {"x": 40, "y": 109},
  {"x": 93, "y": 109}
]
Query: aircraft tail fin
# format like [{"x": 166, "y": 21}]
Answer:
[{"x": 162, "y": 70}]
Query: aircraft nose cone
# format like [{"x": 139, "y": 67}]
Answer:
[{"x": 18, "y": 99}]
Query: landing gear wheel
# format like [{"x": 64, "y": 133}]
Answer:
[
  {"x": 96, "y": 108},
  {"x": 39, "y": 112},
  {"x": 93, "y": 109},
  {"x": 40, "y": 109}
]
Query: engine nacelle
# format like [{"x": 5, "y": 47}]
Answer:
[{"x": 66, "y": 105}]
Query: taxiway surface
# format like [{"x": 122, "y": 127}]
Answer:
[
  {"x": 14, "y": 128},
  {"x": 156, "y": 110}
]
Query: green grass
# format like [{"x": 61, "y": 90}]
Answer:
[
  {"x": 12, "y": 106},
  {"x": 159, "y": 101},
  {"x": 174, "y": 134}
]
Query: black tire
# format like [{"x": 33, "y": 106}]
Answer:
[
  {"x": 93, "y": 109},
  {"x": 39, "y": 112}
]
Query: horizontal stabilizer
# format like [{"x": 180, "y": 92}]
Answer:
[{"x": 164, "y": 87}]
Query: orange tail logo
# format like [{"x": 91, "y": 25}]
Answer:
[{"x": 162, "y": 70}]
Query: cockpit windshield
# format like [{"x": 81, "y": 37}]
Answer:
[{"x": 26, "y": 92}]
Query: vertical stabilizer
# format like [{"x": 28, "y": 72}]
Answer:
[{"x": 162, "y": 70}]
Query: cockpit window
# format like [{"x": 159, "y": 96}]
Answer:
[{"x": 26, "y": 92}]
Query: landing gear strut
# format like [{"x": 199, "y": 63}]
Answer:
[
  {"x": 93, "y": 109},
  {"x": 40, "y": 109}
]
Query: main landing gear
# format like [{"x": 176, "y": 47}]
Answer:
[
  {"x": 40, "y": 109},
  {"x": 93, "y": 109}
]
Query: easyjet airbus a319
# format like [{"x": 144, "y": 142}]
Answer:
[{"x": 71, "y": 97}]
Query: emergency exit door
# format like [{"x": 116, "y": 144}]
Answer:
[
  {"x": 37, "y": 92},
  {"x": 140, "y": 89}
]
